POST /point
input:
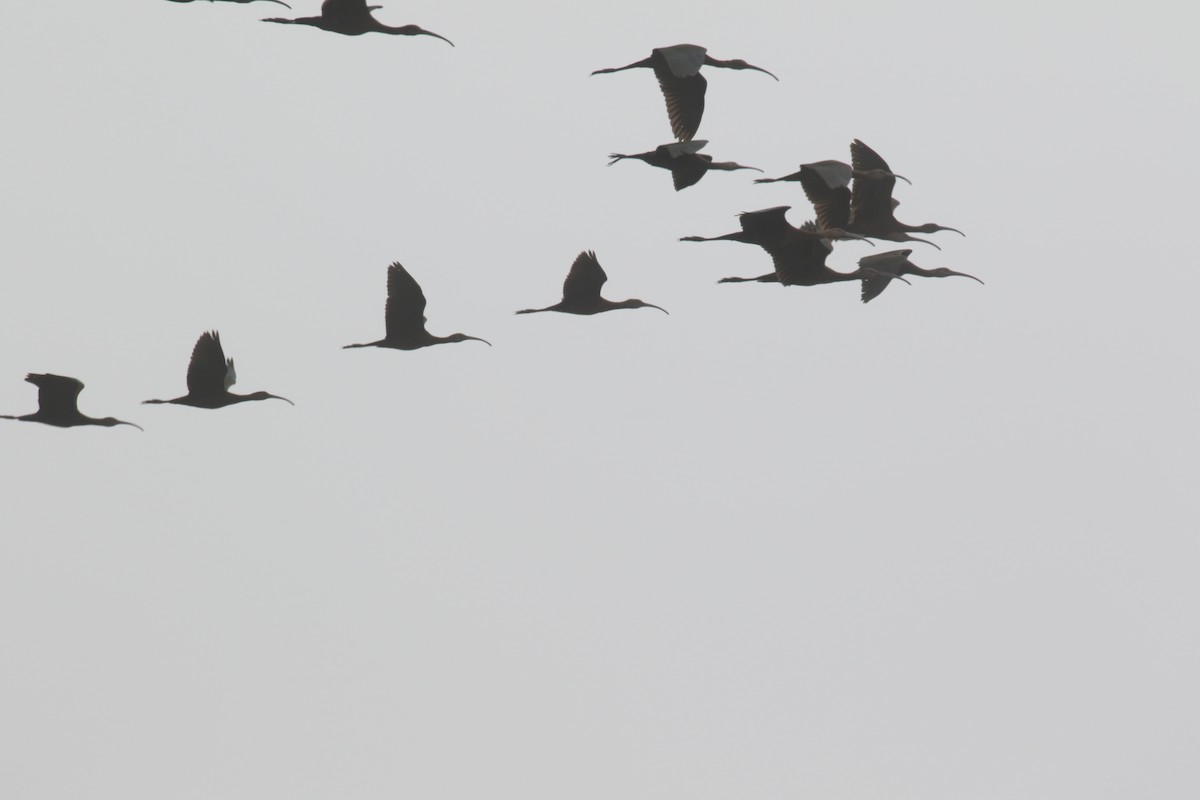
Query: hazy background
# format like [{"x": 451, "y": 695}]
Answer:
[{"x": 775, "y": 545}]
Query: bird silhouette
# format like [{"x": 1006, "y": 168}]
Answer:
[
  {"x": 867, "y": 208},
  {"x": 895, "y": 263},
  {"x": 836, "y": 173},
  {"x": 798, "y": 253},
  {"x": 58, "y": 404},
  {"x": 243, "y": 2},
  {"x": 209, "y": 376},
  {"x": 404, "y": 316},
  {"x": 678, "y": 71},
  {"x": 687, "y": 166},
  {"x": 353, "y": 18},
  {"x": 769, "y": 225},
  {"x": 581, "y": 291}
]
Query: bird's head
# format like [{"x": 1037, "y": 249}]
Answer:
[
  {"x": 737, "y": 63},
  {"x": 462, "y": 337},
  {"x": 635, "y": 303},
  {"x": 942, "y": 272},
  {"x": 110, "y": 422},
  {"x": 931, "y": 227},
  {"x": 417, "y": 30},
  {"x": 268, "y": 396}
]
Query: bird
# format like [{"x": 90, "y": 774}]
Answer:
[
  {"x": 867, "y": 208},
  {"x": 769, "y": 225},
  {"x": 678, "y": 71},
  {"x": 280, "y": 2},
  {"x": 209, "y": 376},
  {"x": 798, "y": 253},
  {"x": 686, "y": 164},
  {"x": 896, "y": 263},
  {"x": 58, "y": 403},
  {"x": 836, "y": 173},
  {"x": 581, "y": 291},
  {"x": 404, "y": 316},
  {"x": 353, "y": 18}
]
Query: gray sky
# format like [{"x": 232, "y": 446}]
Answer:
[{"x": 777, "y": 544}]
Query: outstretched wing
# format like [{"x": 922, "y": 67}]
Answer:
[
  {"x": 209, "y": 372},
  {"x": 799, "y": 257},
  {"x": 766, "y": 225},
  {"x": 57, "y": 394},
  {"x": 892, "y": 262},
  {"x": 404, "y": 315},
  {"x": 871, "y": 198},
  {"x": 584, "y": 280}
]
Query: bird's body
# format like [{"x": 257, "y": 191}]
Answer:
[
  {"x": 896, "y": 263},
  {"x": 243, "y": 2},
  {"x": 678, "y": 71},
  {"x": 209, "y": 376},
  {"x": 867, "y": 207},
  {"x": 686, "y": 164},
  {"x": 354, "y": 18},
  {"x": 58, "y": 404},
  {"x": 581, "y": 291},
  {"x": 404, "y": 316}
]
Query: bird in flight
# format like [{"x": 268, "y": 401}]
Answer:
[
  {"x": 354, "y": 18},
  {"x": 678, "y": 71},
  {"x": 243, "y": 2},
  {"x": 209, "y": 376},
  {"x": 895, "y": 263},
  {"x": 58, "y": 404},
  {"x": 404, "y": 316},
  {"x": 683, "y": 159},
  {"x": 581, "y": 291}
]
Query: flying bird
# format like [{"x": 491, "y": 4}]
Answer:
[
  {"x": 836, "y": 173},
  {"x": 404, "y": 317},
  {"x": 896, "y": 263},
  {"x": 581, "y": 291},
  {"x": 867, "y": 208},
  {"x": 280, "y": 2},
  {"x": 678, "y": 71},
  {"x": 686, "y": 164},
  {"x": 798, "y": 253},
  {"x": 58, "y": 404},
  {"x": 353, "y": 18},
  {"x": 209, "y": 376}
]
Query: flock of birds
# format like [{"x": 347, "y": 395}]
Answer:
[{"x": 851, "y": 201}]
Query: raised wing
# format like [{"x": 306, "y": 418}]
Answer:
[
  {"x": 57, "y": 394},
  {"x": 344, "y": 8},
  {"x": 766, "y": 225},
  {"x": 209, "y": 372},
  {"x": 870, "y": 198},
  {"x": 584, "y": 280},
  {"x": 404, "y": 314}
]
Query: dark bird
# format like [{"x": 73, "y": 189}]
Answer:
[
  {"x": 687, "y": 165},
  {"x": 867, "y": 208},
  {"x": 581, "y": 291},
  {"x": 353, "y": 18},
  {"x": 58, "y": 404},
  {"x": 209, "y": 376},
  {"x": 280, "y": 2},
  {"x": 896, "y": 263},
  {"x": 770, "y": 225},
  {"x": 404, "y": 317},
  {"x": 678, "y": 71},
  {"x": 798, "y": 253},
  {"x": 836, "y": 173}
]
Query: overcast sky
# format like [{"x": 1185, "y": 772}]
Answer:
[{"x": 777, "y": 544}]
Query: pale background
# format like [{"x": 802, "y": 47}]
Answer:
[{"x": 775, "y": 545}]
